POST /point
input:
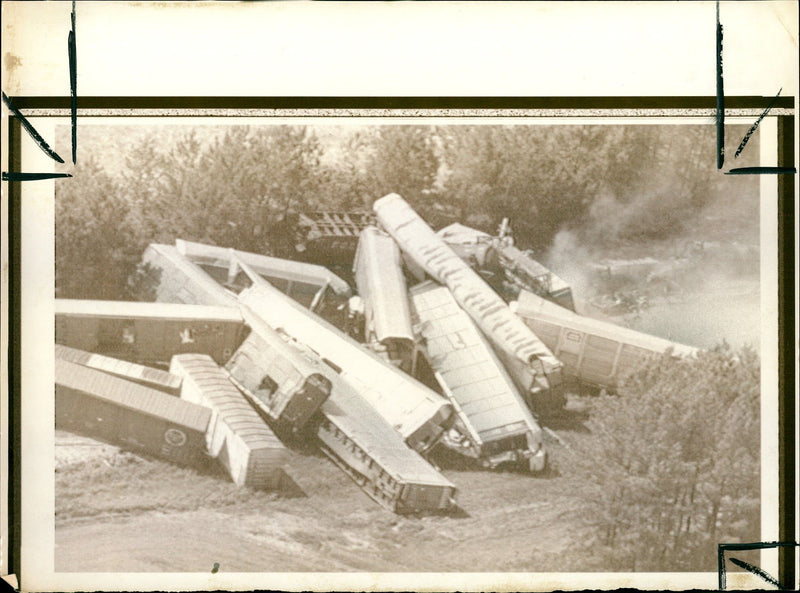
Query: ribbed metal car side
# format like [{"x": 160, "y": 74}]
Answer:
[
  {"x": 129, "y": 415},
  {"x": 143, "y": 375},
  {"x": 593, "y": 352},
  {"x": 237, "y": 436},
  {"x": 494, "y": 424},
  {"x": 371, "y": 452}
]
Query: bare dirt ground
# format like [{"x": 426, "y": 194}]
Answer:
[{"x": 121, "y": 512}]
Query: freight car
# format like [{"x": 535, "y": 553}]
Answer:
[
  {"x": 181, "y": 281},
  {"x": 533, "y": 367},
  {"x": 238, "y": 437},
  {"x": 507, "y": 266},
  {"x": 129, "y": 415},
  {"x": 286, "y": 384},
  {"x": 147, "y": 376},
  {"x": 382, "y": 287},
  {"x": 148, "y": 333},
  {"x": 304, "y": 282},
  {"x": 330, "y": 237},
  {"x": 370, "y": 451},
  {"x": 419, "y": 414},
  {"x": 494, "y": 425},
  {"x": 594, "y": 352}
]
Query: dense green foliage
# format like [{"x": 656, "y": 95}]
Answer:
[
  {"x": 243, "y": 186},
  {"x": 674, "y": 460}
]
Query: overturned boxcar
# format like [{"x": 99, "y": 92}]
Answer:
[
  {"x": 148, "y": 333},
  {"x": 382, "y": 287},
  {"x": 594, "y": 352},
  {"x": 147, "y": 376},
  {"x": 237, "y": 436},
  {"x": 129, "y": 415},
  {"x": 309, "y": 284},
  {"x": 371, "y": 452},
  {"x": 419, "y": 414},
  {"x": 530, "y": 363},
  {"x": 285, "y": 383}
]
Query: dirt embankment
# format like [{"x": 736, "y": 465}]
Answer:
[{"x": 117, "y": 511}]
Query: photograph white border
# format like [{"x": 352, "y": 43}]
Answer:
[{"x": 274, "y": 49}]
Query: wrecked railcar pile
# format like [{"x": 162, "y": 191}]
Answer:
[{"x": 446, "y": 361}]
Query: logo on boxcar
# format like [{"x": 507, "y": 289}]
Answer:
[{"x": 175, "y": 437}]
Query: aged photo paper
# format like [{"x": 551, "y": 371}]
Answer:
[{"x": 249, "y": 148}]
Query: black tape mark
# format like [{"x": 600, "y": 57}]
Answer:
[
  {"x": 721, "y": 548},
  {"x": 32, "y": 131},
  {"x": 756, "y": 571},
  {"x": 762, "y": 171},
  {"x": 754, "y": 127},
  {"x": 73, "y": 84},
  {"x": 720, "y": 97},
  {"x": 32, "y": 176}
]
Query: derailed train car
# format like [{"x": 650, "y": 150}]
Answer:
[
  {"x": 382, "y": 287},
  {"x": 594, "y": 352},
  {"x": 369, "y": 450},
  {"x": 181, "y": 281},
  {"x": 287, "y": 384},
  {"x": 494, "y": 425},
  {"x": 237, "y": 437},
  {"x": 148, "y": 333},
  {"x": 147, "y": 376},
  {"x": 129, "y": 415},
  {"x": 283, "y": 385},
  {"x": 309, "y": 284},
  {"x": 419, "y": 414},
  {"x": 511, "y": 266},
  {"x": 533, "y": 367}
]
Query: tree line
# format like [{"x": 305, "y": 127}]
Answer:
[
  {"x": 673, "y": 464},
  {"x": 243, "y": 186}
]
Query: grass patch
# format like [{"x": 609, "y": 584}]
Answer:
[{"x": 130, "y": 484}]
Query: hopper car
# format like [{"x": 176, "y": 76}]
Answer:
[
  {"x": 531, "y": 364},
  {"x": 237, "y": 436},
  {"x": 129, "y": 415},
  {"x": 285, "y": 383},
  {"x": 307, "y": 283},
  {"x": 594, "y": 352},
  {"x": 181, "y": 281},
  {"x": 148, "y": 333},
  {"x": 381, "y": 284},
  {"x": 494, "y": 424},
  {"x": 419, "y": 414},
  {"x": 147, "y": 376}
]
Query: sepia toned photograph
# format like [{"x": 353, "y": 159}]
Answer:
[
  {"x": 398, "y": 296},
  {"x": 382, "y": 346}
]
